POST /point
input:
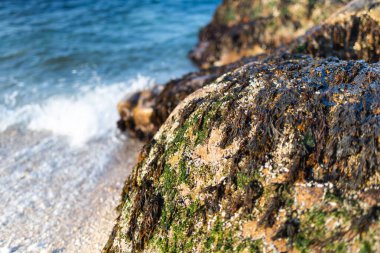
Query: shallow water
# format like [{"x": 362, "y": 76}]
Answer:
[{"x": 63, "y": 67}]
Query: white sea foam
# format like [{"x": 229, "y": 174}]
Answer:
[
  {"x": 5, "y": 250},
  {"x": 89, "y": 114}
]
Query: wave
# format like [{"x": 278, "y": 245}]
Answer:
[{"x": 89, "y": 114}]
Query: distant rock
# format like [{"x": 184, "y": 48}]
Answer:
[
  {"x": 351, "y": 33},
  {"x": 281, "y": 154},
  {"x": 250, "y": 27},
  {"x": 144, "y": 112}
]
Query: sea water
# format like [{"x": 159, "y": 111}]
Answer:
[{"x": 64, "y": 65}]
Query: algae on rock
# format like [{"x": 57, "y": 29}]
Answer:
[
  {"x": 352, "y": 33},
  {"x": 279, "y": 154},
  {"x": 144, "y": 112}
]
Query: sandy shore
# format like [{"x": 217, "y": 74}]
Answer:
[
  {"x": 99, "y": 221},
  {"x": 55, "y": 199}
]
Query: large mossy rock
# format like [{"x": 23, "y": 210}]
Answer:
[
  {"x": 250, "y": 27},
  {"x": 278, "y": 155}
]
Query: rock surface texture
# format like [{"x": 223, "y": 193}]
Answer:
[
  {"x": 142, "y": 114},
  {"x": 250, "y": 27},
  {"x": 278, "y": 155},
  {"x": 352, "y": 33}
]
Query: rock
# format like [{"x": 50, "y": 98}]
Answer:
[
  {"x": 278, "y": 155},
  {"x": 250, "y": 27},
  {"x": 352, "y": 33},
  {"x": 155, "y": 106},
  {"x": 136, "y": 114}
]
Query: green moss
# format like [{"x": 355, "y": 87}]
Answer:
[
  {"x": 230, "y": 15},
  {"x": 255, "y": 12},
  {"x": 180, "y": 139},
  {"x": 169, "y": 182},
  {"x": 312, "y": 229},
  {"x": 215, "y": 236},
  {"x": 189, "y": 245},
  {"x": 242, "y": 179},
  {"x": 201, "y": 135},
  {"x": 309, "y": 140},
  {"x": 160, "y": 243},
  {"x": 332, "y": 197},
  {"x": 250, "y": 245},
  {"x": 228, "y": 243},
  {"x": 168, "y": 178},
  {"x": 126, "y": 199},
  {"x": 302, "y": 243},
  {"x": 289, "y": 202},
  {"x": 205, "y": 124},
  {"x": 193, "y": 207},
  {"x": 167, "y": 210},
  {"x": 366, "y": 248},
  {"x": 182, "y": 171},
  {"x": 318, "y": 217},
  {"x": 209, "y": 241},
  {"x": 342, "y": 213},
  {"x": 301, "y": 48},
  {"x": 338, "y": 247},
  {"x": 179, "y": 224},
  {"x": 347, "y": 208},
  {"x": 228, "y": 97},
  {"x": 272, "y": 4},
  {"x": 178, "y": 236},
  {"x": 222, "y": 239},
  {"x": 285, "y": 11}
]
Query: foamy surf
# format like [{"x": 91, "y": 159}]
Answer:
[
  {"x": 53, "y": 156},
  {"x": 84, "y": 116}
]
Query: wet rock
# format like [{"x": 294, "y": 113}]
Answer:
[
  {"x": 278, "y": 155},
  {"x": 143, "y": 113},
  {"x": 250, "y": 27},
  {"x": 352, "y": 33},
  {"x": 136, "y": 114}
]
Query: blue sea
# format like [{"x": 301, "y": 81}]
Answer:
[{"x": 64, "y": 65}]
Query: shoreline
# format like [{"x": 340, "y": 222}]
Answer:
[
  {"x": 75, "y": 209},
  {"x": 105, "y": 198}
]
